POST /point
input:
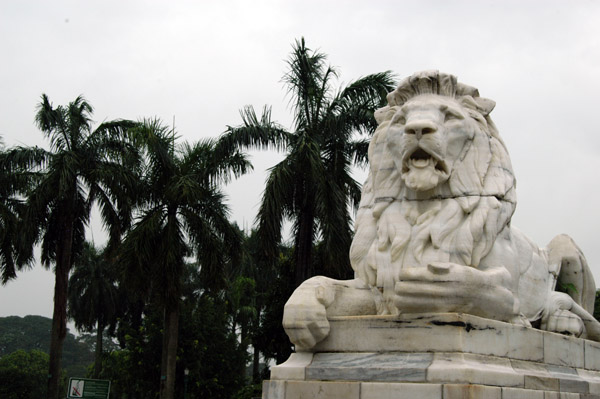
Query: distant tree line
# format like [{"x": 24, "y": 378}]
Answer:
[{"x": 177, "y": 286}]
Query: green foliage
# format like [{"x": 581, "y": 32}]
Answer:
[
  {"x": 92, "y": 289},
  {"x": 32, "y": 333},
  {"x": 15, "y": 181},
  {"x": 270, "y": 337},
  {"x": 23, "y": 375},
  {"x": 249, "y": 392},
  {"x": 568, "y": 288},
  {"x": 93, "y": 295},
  {"x": 208, "y": 349}
]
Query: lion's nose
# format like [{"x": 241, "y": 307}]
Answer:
[{"x": 420, "y": 128}]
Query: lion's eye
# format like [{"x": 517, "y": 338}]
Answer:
[
  {"x": 450, "y": 116},
  {"x": 400, "y": 119}
]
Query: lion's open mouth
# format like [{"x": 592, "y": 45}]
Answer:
[{"x": 421, "y": 159}]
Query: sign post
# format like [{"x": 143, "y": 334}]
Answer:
[{"x": 87, "y": 388}]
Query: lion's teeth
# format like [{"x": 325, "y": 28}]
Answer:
[{"x": 421, "y": 163}]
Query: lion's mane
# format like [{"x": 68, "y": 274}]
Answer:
[{"x": 466, "y": 213}]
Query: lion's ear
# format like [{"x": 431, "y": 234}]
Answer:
[
  {"x": 485, "y": 105},
  {"x": 482, "y": 105},
  {"x": 381, "y": 114}
]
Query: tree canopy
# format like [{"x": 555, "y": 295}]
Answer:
[{"x": 313, "y": 186}]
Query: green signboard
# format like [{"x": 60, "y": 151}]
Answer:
[{"x": 88, "y": 389}]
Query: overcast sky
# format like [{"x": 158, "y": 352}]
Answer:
[{"x": 202, "y": 61}]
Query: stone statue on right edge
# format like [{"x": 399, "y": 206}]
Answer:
[{"x": 433, "y": 232}]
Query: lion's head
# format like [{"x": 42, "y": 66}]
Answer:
[{"x": 440, "y": 184}]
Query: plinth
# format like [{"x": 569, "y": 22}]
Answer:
[{"x": 438, "y": 356}]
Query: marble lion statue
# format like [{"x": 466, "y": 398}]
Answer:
[{"x": 433, "y": 230}]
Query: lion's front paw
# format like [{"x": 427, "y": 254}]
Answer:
[
  {"x": 305, "y": 315},
  {"x": 564, "y": 322},
  {"x": 305, "y": 325},
  {"x": 447, "y": 287}
]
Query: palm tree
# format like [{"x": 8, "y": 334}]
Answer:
[
  {"x": 83, "y": 167},
  {"x": 313, "y": 186},
  {"x": 15, "y": 180},
  {"x": 182, "y": 212},
  {"x": 93, "y": 295}
]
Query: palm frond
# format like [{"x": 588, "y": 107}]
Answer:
[
  {"x": 359, "y": 151},
  {"x": 254, "y": 132},
  {"x": 277, "y": 204},
  {"x": 307, "y": 81}
]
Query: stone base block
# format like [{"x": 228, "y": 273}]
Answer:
[
  {"x": 378, "y": 390},
  {"x": 441, "y": 356}
]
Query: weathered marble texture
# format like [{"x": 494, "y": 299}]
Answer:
[
  {"x": 441, "y": 356},
  {"x": 433, "y": 232}
]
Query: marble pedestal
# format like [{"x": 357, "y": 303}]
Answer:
[{"x": 438, "y": 356}]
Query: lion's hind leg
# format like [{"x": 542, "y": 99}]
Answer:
[
  {"x": 570, "y": 312},
  {"x": 574, "y": 276}
]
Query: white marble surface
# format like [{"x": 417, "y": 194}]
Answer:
[
  {"x": 294, "y": 368},
  {"x": 400, "y": 391},
  {"x": 444, "y": 332},
  {"x": 516, "y": 393},
  {"x": 322, "y": 390},
  {"x": 457, "y": 391},
  {"x": 563, "y": 350},
  {"x": 433, "y": 232},
  {"x": 592, "y": 355},
  {"x": 475, "y": 369}
]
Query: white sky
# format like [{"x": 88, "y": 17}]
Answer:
[{"x": 202, "y": 61}]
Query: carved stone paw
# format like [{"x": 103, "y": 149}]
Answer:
[
  {"x": 561, "y": 315},
  {"x": 447, "y": 287},
  {"x": 305, "y": 316},
  {"x": 565, "y": 322}
]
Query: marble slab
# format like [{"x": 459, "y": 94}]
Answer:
[
  {"x": 591, "y": 355},
  {"x": 456, "y": 332},
  {"x": 517, "y": 393},
  {"x": 369, "y": 367},
  {"x": 320, "y": 389},
  {"x": 400, "y": 391},
  {"x": 474, "y": 369},
  {"x": 563, "y": 350},
  {"x": 384, "y": 390},
  {"x": 456, "y": 391}
]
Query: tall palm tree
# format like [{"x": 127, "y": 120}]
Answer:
[
  {"x": 83, "y": 166},
  {"x": 182, "y": 213},
  {"x": 313, "y": 186},
  {"x": 93, "y": 295}
]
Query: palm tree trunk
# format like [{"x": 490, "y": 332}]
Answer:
[
  {"x": 98, "y": 360},
  {"x": 255, "y": 366},
  {"x": 304, "y": 243},
  {"x": 169, "y": 363},
  {"x": 256, "y": 354},
  {"x": 244, "y": 345},
  {"x": 59, "y": 316}
]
